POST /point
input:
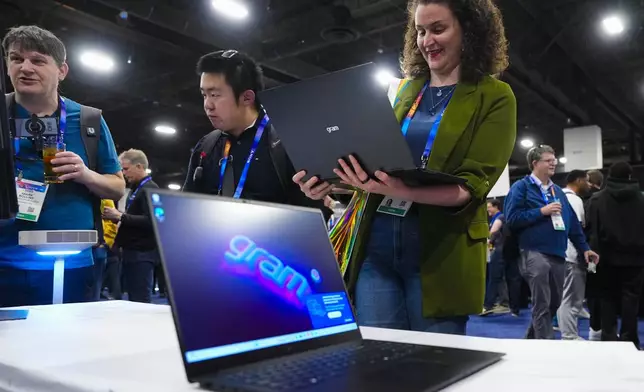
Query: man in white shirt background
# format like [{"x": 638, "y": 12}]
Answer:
[{"x": 575, "y": 279}]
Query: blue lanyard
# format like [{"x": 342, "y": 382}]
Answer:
[
  {"x": 251, "y": 154},
  {"x": 62, "y": 122},
  {"x": 60, "y": 138},
  {"x": 494, "y": 218},
  {"x": 544, "y": 194},
  {"x": 133, "y": 195},
  {"x": 424, "y": 159}
]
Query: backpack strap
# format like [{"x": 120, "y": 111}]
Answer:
[
  {"x": 9, "y": 100},
  {"x": 208, "y": 142},
  {"x": 205, "y": 146},
  {"x": 90, "y": 124}
]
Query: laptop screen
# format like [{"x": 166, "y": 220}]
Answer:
[{"x": 246, "y": 277}]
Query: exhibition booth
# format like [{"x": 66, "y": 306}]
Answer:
[{"x": 126, "y": 346}]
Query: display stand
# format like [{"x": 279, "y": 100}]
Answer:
[
  {"x": 58, "y": 244},
  {"x": 59, "y": 281}
]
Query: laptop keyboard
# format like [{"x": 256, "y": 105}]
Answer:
[{"x": 307, "y": 369}]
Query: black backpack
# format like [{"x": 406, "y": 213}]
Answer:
[
  {"x": 279, "y": 159},
  {"x": 511, "y": 249},
  {"x": 90, "y": 123}
]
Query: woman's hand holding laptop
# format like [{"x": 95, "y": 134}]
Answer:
[{"x": 356, "y": 177}]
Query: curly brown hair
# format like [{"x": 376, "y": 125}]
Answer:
[{"x": 485, "y": 48}]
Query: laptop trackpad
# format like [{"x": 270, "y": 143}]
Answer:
[{"x": 409, "y": 375}]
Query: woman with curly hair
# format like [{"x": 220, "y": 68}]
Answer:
[{"x": 422, "y": 267}]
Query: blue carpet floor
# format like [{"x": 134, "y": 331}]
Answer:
[
  {"x": 508, "y": 327},
  {"x": 494, "y": 326}
]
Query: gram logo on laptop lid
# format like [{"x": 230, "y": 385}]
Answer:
[{"x": 268, "y": 272}]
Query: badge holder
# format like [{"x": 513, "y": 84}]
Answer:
[
  {"x": 58, "y": 244},
  {"x": 395, "y": 207}
]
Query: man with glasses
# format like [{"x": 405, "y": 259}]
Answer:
[
  {"x": 36, "y": 65},
  {"x": 242, "y": 157},
  {"x": 539, "y": 212}
]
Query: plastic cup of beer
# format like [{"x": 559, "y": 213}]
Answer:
[{"x": 49, "y": 152}]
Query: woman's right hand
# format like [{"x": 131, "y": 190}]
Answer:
[{"x": 312, "y": 188}]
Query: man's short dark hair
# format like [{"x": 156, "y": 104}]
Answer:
[
  {"x": 34, "y": 38},
  {"x": 240, "y": 71},
  {"x": 596, "y": 178},
  {"x": 621, "y": 171},
  {"x": 536, "y": 153},
  {"x": 575, "y": 175},
  {"x": 496, "y": 203}
]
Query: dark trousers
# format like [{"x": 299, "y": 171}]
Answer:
[
  {"x": 621, "y": 287},
  {"x": 498, "y": 271},
  {"x": 514, "y": 281},
  {"x": 97, "y": 280},
  {"x": 112, "y": 276},
  {"x": 593, "y": 298},
  {"x": 495, "y": 272},
  {"x": 35, "y": 287},
  {"x": 138, "y": 271},
  {"x": 159, "y": 277}
]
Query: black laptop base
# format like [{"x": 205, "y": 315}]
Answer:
[
  {"x": 374, "y": 366},
  {"x": 413, "y": 177},
  {"x": 420, "y": 177}
]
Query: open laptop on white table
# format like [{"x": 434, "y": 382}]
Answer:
[{"x": 259, "y": 304}]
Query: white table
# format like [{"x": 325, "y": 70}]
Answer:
[{"x": 123, "y": 346}]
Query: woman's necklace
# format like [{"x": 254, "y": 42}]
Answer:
[{"x": 432, "y": 110}]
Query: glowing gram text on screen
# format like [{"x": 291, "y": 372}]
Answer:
[{"x": 290, "y": 284}]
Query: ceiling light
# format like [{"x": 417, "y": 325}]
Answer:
[
  {"x": 174, "y": 187},
  {"x": 527, "y": 143},
  {"x": 613, "y": 25},
  {"x": 165, "y": 129},
  {"x": 97, "y": 61},
  {"x": 384, "y": 77},
  {"x": 563, "y": 160},
  {"x": 231, "y": 8},
  {"x": 148, "y": 171}
]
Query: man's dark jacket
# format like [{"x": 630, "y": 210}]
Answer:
[
  {"x": 615, "y": 222},
  {"x": 135, "y": 231},
  {"x": 208, "y": 183}
]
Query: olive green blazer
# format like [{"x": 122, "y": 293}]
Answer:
[{"x": 474, "y": 141}]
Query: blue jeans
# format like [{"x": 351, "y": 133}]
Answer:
[
  {"x": 388, "y": 292},
  {"x": 138, "y": 271}
]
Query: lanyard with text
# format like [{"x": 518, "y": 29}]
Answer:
[
  {"x": 130, "y": 199},
  {"x": 251, "y": 154},
  {"x": 557, "y": 220},
  {"x": 434, "y": 130},
  {"x": 60, "y": 138},
  {"x": 544, "y": 193}
]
